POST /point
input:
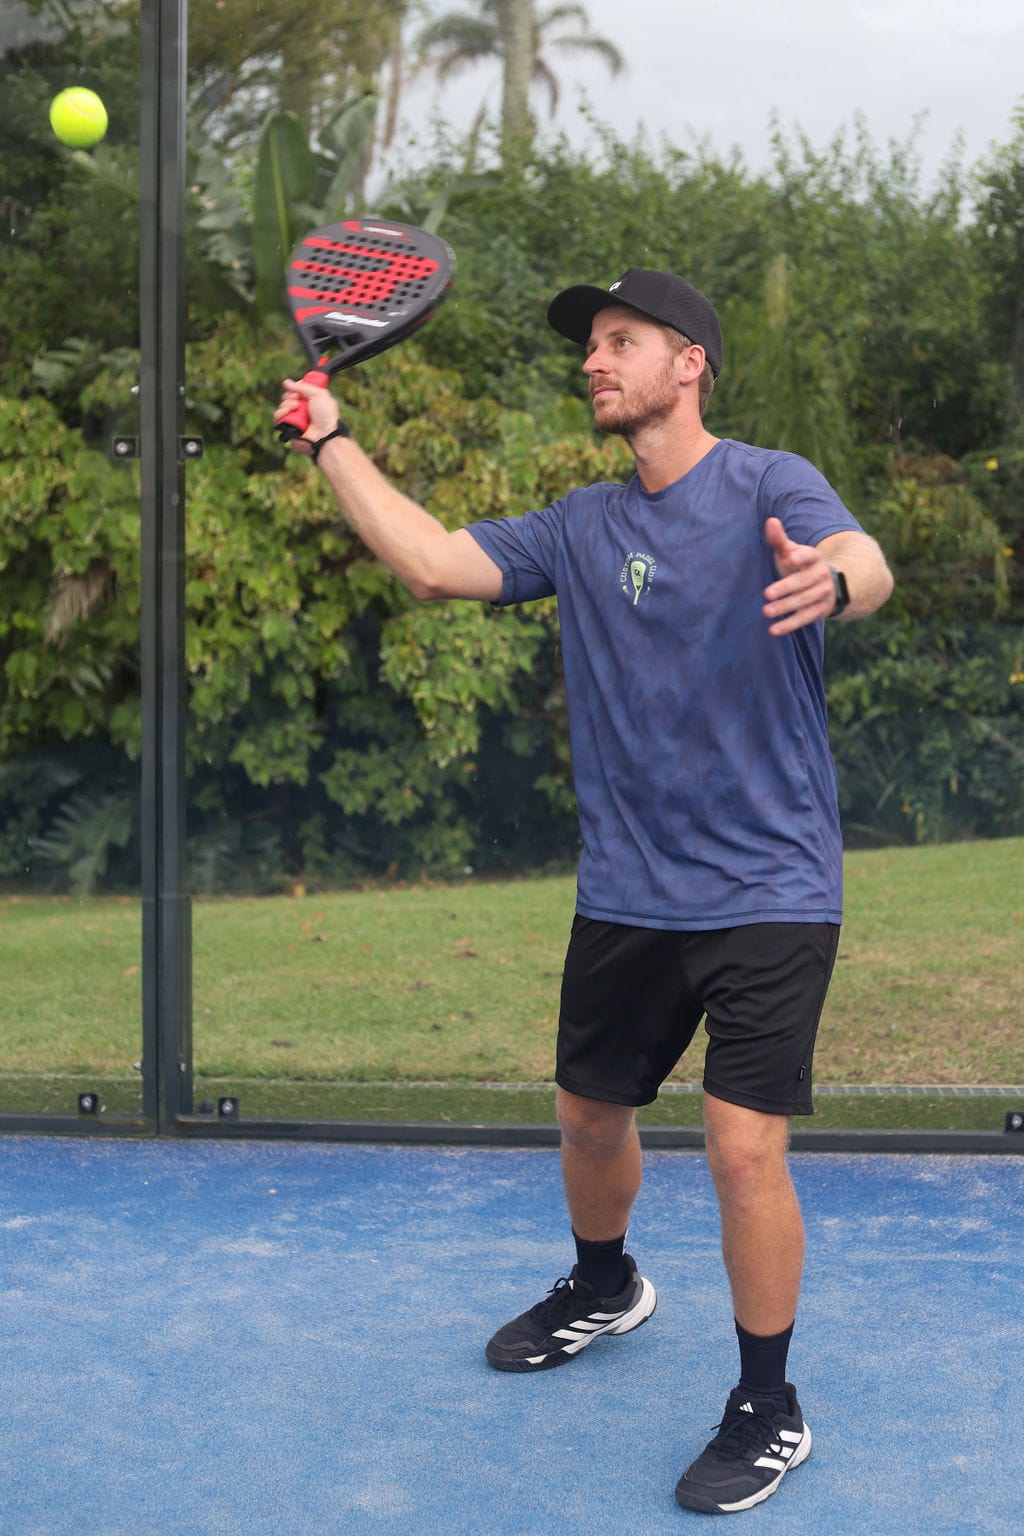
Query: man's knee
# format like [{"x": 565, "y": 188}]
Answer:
[
  {"x": 591, "y": 1124},
  {"x": 745, "y": 1149}
]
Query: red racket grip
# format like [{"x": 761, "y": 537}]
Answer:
[{"x": 297, "y": 419}]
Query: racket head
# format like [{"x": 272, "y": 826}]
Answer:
[{"x": 359, "y": 286}]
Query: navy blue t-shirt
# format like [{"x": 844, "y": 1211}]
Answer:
[{"x": 706, "y": 788}]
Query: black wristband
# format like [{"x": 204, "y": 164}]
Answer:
[
  {"x": 340, "y": 431},
  {"x": 840, "y": 591}
]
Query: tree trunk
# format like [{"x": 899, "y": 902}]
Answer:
[
  {"x": 517, "y": 54},
  {"x": 396, "y": 80},
  {"x": 294, "y": 90}
]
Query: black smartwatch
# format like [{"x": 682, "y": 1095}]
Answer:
[{"x": 841, "y": 591}]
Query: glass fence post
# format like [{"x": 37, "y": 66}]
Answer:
[{"x": 167, "y": 1001}]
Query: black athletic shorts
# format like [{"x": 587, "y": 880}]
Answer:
[{"x": 633, "y": 998}]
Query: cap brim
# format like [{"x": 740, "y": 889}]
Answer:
[{"x": 571, "y": 313}]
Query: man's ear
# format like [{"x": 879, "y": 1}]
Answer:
[{"x": 691, "y": 363}]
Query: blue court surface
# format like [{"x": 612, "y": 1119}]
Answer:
[{"x": 285, "y": 1339}]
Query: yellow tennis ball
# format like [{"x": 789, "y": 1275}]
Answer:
[{"x": 78, "y": 117}]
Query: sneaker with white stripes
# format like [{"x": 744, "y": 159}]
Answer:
[
  {"x": 756, "y": 1445},
  {"x": 569, "y": 1317}
]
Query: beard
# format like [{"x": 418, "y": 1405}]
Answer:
[{"x": 627, "y": 412}]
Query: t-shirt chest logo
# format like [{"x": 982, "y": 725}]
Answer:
[{"x": 637, "y": 574}]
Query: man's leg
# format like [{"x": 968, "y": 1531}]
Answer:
[
  {"x": 762, "y": 1434},
  {"x": 762, "y": 1229},
  {"x": 601, "y": 1165},
  {"x": 601, "y": 1171},
  {"x": 624, "y": 1017},
  {"x": 764, "y": 988}
]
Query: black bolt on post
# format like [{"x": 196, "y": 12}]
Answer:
[{"x": 166, "y": 914}]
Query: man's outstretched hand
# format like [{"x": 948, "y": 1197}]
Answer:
[{"x": 804, "y": 592}]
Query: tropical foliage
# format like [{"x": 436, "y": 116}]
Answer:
[{"x": 338, "y": 730}]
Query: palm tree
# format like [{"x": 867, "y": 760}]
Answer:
[{"x": 521, "y": 37}]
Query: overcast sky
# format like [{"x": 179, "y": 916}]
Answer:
[{"x": 720, "y": 68}]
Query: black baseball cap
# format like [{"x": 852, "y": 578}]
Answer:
[{"x": 660, "y": 296}]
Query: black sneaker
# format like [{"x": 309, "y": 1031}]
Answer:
[
  {"x": 571, "y": 1314},
  {"x": 756, "y": 1445}
]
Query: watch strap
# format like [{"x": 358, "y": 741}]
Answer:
[
  {"x": 339, "y": 431},
  {"x": 841, "y": 592}
]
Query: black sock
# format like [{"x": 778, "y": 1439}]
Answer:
[
  {"x": 763, "y": 1363},
  {"x": 601, "y": 1265}
]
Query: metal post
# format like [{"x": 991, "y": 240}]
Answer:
[{"x": 166, "y": 914}]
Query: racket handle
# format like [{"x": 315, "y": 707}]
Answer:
[{"x": 297, "y": 419}]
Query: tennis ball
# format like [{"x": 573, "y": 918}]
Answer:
[{"x": 78, "y": 117}]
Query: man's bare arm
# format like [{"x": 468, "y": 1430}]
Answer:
[
  {"x": 862, "y": 562},
  {"x": 422, "y": 553}
]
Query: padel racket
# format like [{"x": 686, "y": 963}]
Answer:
[{"x": 355, "y": 288}]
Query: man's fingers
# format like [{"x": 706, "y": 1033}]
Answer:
[
  {"x": 789, "y": 557},
  {"x": 318, "y": 403},
  {"x": 804, "y": 568},
  {"x": 800, "y": 619},
  {"x": 799, "y": 599},
  {"x": 777, "y": 536},
  {"x": 808, "y": 585}
]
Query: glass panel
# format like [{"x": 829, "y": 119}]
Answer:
[
  {"x": 381, "y": 825},
  {"x": 69, "y": 561}
]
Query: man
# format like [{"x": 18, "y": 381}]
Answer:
[{"x": 691, "y": 606}]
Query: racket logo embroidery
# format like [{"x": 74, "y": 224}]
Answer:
[{"x": 637, "y": 575}]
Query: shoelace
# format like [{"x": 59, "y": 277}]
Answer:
[
  {"x": 557, "y": 1304},
  {"x": 740, "y": 1432}
]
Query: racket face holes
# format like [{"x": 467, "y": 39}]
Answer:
[{"x": 365, "y": 278}]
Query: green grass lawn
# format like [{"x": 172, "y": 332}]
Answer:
[{"x": 458, "y": 984}]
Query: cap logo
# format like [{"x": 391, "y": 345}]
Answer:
[{"x": 613, "y": 286}]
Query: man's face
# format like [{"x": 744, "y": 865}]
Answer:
[{"x": 632, "y": 369}]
